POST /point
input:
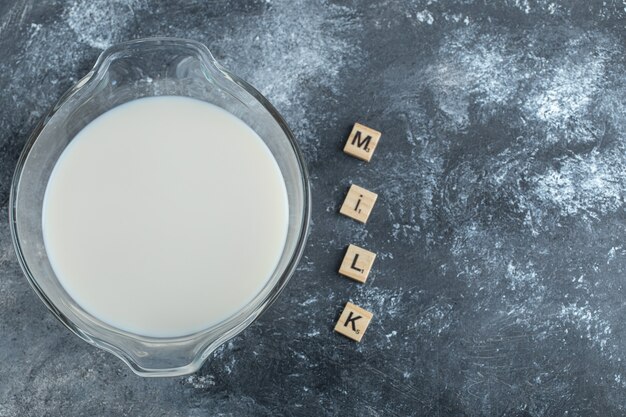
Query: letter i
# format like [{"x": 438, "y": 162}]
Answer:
[{"x": 356, "y": 208}]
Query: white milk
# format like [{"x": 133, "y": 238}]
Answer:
[{"x": 164, "y": 216}]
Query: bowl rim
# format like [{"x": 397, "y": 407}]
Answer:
[{"x": 95, "y": 74}]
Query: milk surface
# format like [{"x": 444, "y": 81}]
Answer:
[{"x": 164, "y": 216}]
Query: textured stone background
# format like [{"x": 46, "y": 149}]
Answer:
[{"x": 499, "y": 286}]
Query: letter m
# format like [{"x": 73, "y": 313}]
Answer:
[{"x": 361, "y": 143}]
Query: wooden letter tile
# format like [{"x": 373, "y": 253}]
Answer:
[
  {"x": 362, "y": 142},
  {"x": 357, "y": 263},
  {"x": 353, "y": 322},
  {"x": 358, "y": 203}
]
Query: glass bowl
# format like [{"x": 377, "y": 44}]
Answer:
[{"x": 124, "y": 72}]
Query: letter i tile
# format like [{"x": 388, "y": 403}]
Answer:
[{"x": 358, "y": 204}]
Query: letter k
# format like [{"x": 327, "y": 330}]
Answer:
[{"x": 351, "y": 320}]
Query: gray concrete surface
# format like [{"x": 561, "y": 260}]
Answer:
[{"x": 499, "y": 284}]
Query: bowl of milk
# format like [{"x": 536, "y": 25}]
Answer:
[{"x": 161, "y": 206}]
